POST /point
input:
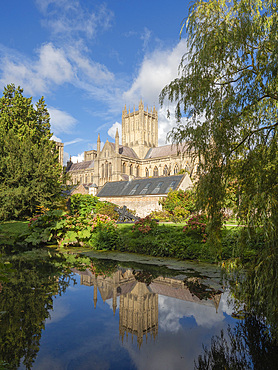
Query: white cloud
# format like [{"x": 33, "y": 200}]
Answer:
[
  {"x": 53, "y": 65},
  {"x": 21, "y": 73},
  {"x": 69, "y": 18},
  {"x": 61, "y": 121},
  {"x": 172, "y": 310},
  {"x": 146, "y": 37},
  {"x": 77, "y": 158},
  {"x": 165, "y": 124},
  {"x": 86, "y": 69},
  {"x": 74, "y": 141},
  {"x": 55, "y": 138},
  {"x": 157, "y": 70},
  {"x": 112, "y": 131},
  {"x": 37, "y": 76}
]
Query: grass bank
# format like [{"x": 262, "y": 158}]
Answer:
[
  {"x": 167, "y": 240},
  {"x": 11, "y": 230}
]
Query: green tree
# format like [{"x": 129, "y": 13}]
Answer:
[
  {"x": 30, "y": 175},
  {"x": 26, "y": 299},
  {"x": 179, "y": 204},
  {"x": 226, "y": 108}
]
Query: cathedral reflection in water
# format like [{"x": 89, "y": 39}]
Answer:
[{"x": 138, "y": 309}]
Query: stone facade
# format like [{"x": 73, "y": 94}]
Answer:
[
  {"x": 138, "y": 157},
  {"x": 143, "y": 195}
]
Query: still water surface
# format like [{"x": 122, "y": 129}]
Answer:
[
  {"x": 73, "y": 312},
  {"x": 114, "y": 320}
]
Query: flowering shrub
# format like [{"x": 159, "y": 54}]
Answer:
[
  {"x": 106, "y": 208},
  {"x": 197, "y": 225},
  {"x": 42, "y": 228},
  {"x": 145, "y": 225},
  {"x": 99, "y": 231},
  {"x": 103, "y": 222}
]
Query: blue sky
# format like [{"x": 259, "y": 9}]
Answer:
[{"x": 89, "y": 58}]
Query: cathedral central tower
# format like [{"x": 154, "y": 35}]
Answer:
[{"x": 140, "y": 129}]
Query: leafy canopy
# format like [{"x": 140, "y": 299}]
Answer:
[
  {"x": 30, "y": 175},
  {"x": 226, "y": 107}
]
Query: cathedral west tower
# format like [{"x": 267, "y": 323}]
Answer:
[{"x": 140, "y": 129}]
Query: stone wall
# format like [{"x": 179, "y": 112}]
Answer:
[{"x": 143, "y": 205}]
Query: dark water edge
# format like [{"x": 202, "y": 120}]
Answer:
[{"x": 120, "y": 311}]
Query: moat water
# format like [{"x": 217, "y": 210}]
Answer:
[{"x": 88, "y": 313}]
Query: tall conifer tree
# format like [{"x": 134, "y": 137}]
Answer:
[{"x": 30, "y": 175}]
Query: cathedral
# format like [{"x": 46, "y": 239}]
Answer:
[{"x": 139, "y": 155}]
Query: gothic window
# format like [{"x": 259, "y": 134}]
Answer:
[
  {"x": 110, "y": 169},
  {"x": 131, "y": 170},
  {"x": 86, "y": 179},
  {"x": 137, "y": 171},
  {"x": 124, "y": 168},
  {"x": 165, "y": 170},
  {"x": 147, "y": 172},
  {"x": 102, "y": 170},
  {"x": 155, "y": 171},
  {"x": 176, "y": 169},
  {"x": 106, "y": 170}
]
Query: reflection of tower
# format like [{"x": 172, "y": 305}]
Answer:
[
  {"x": 95, "y": 291},
  {"x": 139, "y": 313},
  {"x": 216, "y": 300}
]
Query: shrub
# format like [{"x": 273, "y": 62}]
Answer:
[
  {"x": 145, "y": 225},
  {"x": 42, "y": 228},
  {"x": 97, "y": 231},
  {"x": 196, "y": 225},
  {"x": 82, "y": 204},
  {"x": 106, "y": 208},
  {"x": 161, "y": 215},
  {"x": 179, "y": 214},
  {"x": 178, "y": 198},
  {"x": 85, "y": 204},
  {"x": 105, "y": 233}
]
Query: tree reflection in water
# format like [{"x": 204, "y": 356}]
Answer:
[
  {"x": 248, "y": 346},
  {"x": 253, "y": 343},
  {"x": 37, "y": 276},
  {"x": 34, "y": 278}
]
